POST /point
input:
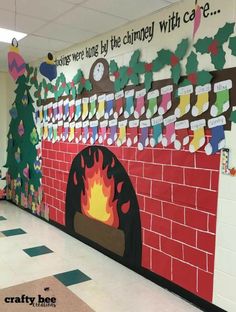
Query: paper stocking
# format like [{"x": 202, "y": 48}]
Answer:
[
  {"x": 222, "y": 97},
  {"x": 166, "y": 101},
  {"x": 54, "y": 112},
  {"x": 50, "y": 132},
  {"x": 103, "y": 131},
  {"x": 92, "y": 109},
  {"x": 85, "y": 108},
  {"x": 66, "y": 109},
  {"x": 182, "y": 134},
  {"x": 169, "y": 135},
  {"x": 152, "y": 103},
  {"x": 60, "y": 109},
  {"x": 101, "y": 106},
  {"x": 94, "y": 127},
  {"x": 45, "y": 113},
  {"x": 129, "y": 103},
  {"x": 113, "y": 131},
  {"x": 122, "y": 133},
  {"x": 217, "y": 140},
  {"x": 55, "y": 137},
  {"x": 45, "y": 130},
  {"x": 78, "y": 110},
  {"x": 78, "y": 131},
  {"x": 85, "y": 129},
  {"x": 109, "y": 105},
  {"x": 49, "y": 111},
  {"x": 140, "y": 106},
  {"x": 157, "y": 131},
  {"x": 144, "y": 140},
  {"x": 119, "y": 97},
  {"x": 65, "y": 133},
  {"x": 198, "y": 135},
  {"x": 71, "y": 110},
  {"x": 133, "y": 133},
  {"x": 41, "y": 130},
  {"x": 184, "y": 94},
  {"x": 72, "y": 131},
  {"x": 60, "y": 130},
  {"x": 202, "y": 104}
]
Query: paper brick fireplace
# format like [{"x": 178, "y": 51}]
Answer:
[{"x": 177, "y": 197}]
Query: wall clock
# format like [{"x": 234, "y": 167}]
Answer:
[{"x": 99, "y": 76}]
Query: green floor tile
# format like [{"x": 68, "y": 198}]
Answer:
[
  {"x": 2, "y": 218},
  {"x": 37, "y": 251},
  {"x": 72, "y": 277},
  {"x": 13, "y": 232}
]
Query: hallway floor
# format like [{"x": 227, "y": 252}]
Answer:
[{"x": 102, "y": 283}]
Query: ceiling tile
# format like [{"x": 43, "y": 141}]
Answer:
[
  {"x": 37, "y": 43},
  {"x": 7, "y": 19},
  {"x": 90, "y": 20},
  {"x": 8, "y": 5},
  {"x": 65, "y": 33},
  {"x": 43, "y": 8},
  {"x": 75, "y": 1},
  {"x": 126, "y": 9},
  {"x": 28, "y": 24}
]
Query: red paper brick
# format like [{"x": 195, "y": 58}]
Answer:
[
  {"x": 160, "y": 225},
  {"x": 135, "y": 168},
  {"x": 61, "y": 217},
  {"x": 212, "y": 224},
  {"x": 215, "y": 180},
  {"x": 161, "y": 264},
  {"x": 161, "y": 190},
  {"x": 173, "y": 212},
  {"x": 198, "y": 177},
  {"x": 146, "y": 155},
  {"x": 184, "y": 234},
  {"x": 173, "y": 174},
  {"x": 145, "y": 220},
  {"x": 195, "y": 257},
  {"x": 151, "y": 239},
  {"x": 153, "y": 206},
  {"x": 207, "y": 200},
  {"x": 196, "y": 219},
  {"x": 141, "y": 203},
  {"x": 162, "y": 156},
  {"x": 52, "y": 214},
  {"x": 210, "y": 262},
  {"x": 172, "y": 247},
  {"x": 129, "y": 153},
  {"x": 143, "y": 186},
  {"x": 182, "y": 158},
  {"x": 208, "y": 162},
  {"x": 185, "y": 275},
  {"x": 152, "y": 171},
  {"x": 206, "y": 241},
  {"x": 146, "y": 257},
  {"x": 205, "y": 285},
  {"x": 60, "y": 156},
  {"x": 184, "y": 195}
]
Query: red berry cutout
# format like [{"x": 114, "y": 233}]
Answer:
[
  {"x": 148, "y": 67},
  {"x": 193, "y": 78},
  {"x": 55, "y": 88},
  {"x": 213, "y": 47},
  {"x": 63, "y": 84},
  {"x": 72, "y": 84},
  {"x": 46, "y": 90},
  {"x": 116, "y": 74},
  {"x": 129, "y": 71},
  {"x": 174, "y": 60},
  {"x": 82, "y": 80},
  {"x": 233, "y": 172}
]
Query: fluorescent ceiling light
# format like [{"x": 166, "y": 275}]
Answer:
[{"x": 6, "y": 35}]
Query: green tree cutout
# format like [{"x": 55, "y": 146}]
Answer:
[
  {"x": 214, "y": 45},
  {"x": 173, "y": 59},
  {"x": 23, "y": 180}
]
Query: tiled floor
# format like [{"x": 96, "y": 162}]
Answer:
[{"x": 98, "y": 280}]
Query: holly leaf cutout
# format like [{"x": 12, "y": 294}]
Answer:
[
  {"x": 134, "y": 79},
  {"x": 203, "y": 77},
  {"x": 202, "y": 45},
  {"x": 192, "y": 63},
  {"x": 113, "y": 66},
  {"x": 157, "y": 64},
  {"x": 175, "y": 73},
  {"x": 219, "y": 59},
  {"x": 117, "y": 85},
  {"x": 134, "y": 58},
  {"x": 232, "y": 45},
  {"x": 73, "y": 92},
  {"x": 224, "y": 33},
  {"x": 233, "y": 116},
  {"x": 88, "y": 85},
  {"x": 181, "y": 49},
  {"x": 148, "y": 77},
  {"x": 165, "y": 56}
]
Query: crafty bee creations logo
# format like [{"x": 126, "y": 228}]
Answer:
[{"x": 34, "y": 301}]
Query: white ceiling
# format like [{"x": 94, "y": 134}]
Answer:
[{"x": 53, "y": 25}]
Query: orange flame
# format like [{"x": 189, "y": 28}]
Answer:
[{"x": 99, "y": 190}]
